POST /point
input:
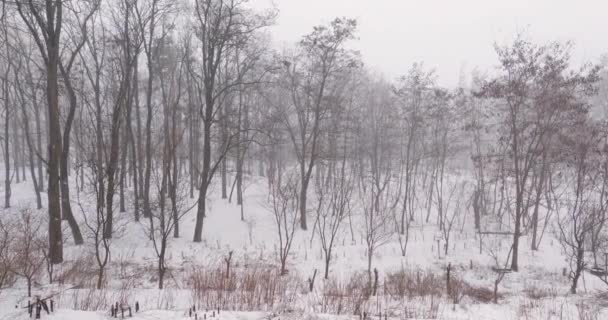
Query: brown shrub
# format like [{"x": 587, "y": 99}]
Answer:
[
  {"x": 413, "y": 283},
  {"x": 255, "y": 287}
]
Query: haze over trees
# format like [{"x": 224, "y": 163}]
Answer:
[{"x": 146, "y": 113}]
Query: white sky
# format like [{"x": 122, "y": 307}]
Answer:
[{"x": 447, "y": 34}]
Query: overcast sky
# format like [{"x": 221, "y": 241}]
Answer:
[{"x": 447, "y": 34}]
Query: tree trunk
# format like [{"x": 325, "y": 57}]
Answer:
[
  {"x": 64, "y": 164},
  {"x": 39, "y": 149},
  {"x": 111, "y": 170},
  {"x": 205, "y": 174},
  {"x": 580, "y": 256},
  {"x": 200, "y": 212},
  {"x": 134, "y": 149},
  {"x": 123, "y": 171},
  {"x": 516, "y": 233},
  {"x": 66, "y": 206},
  {"x": 34, "y": 180},
  {"x": 303, "y": 193},
  {"x": 100, "y": 279},
  {"x": 16, "y": 153},
  {"x": 54, "y": 159},
  {"x": 539, "y": 190},
  {"x": 139, "y": 142},
  {"x": 161, "y": 276},
  {"x": 191, "y": 140},
  {"x": 23, "y": 157},
  {"x": 496, "y": 282},
  {"x": 7, "y": 159},
  {"x": 224, "y": 131}
]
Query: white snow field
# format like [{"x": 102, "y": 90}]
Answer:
[{"x": 539, "y": 290}]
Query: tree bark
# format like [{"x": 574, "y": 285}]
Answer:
[{"x": 54, "y": 159}]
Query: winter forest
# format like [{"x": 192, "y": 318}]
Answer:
[{"x": 168, "y": 160}]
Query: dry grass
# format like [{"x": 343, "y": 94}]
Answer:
[
  {"x": 413, "y": 283},
  {"x": 345, "y": 297},
  {"x": 256, "y": 287}
]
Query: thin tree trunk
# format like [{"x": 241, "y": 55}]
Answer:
[
  {"x": 7, "y": 159},
  {"x": 39, "y": 147},
  {"x": 539, "y": 191},
  {"x": 123, "y": 170},
  {"x": 224, "y": 131},
  {"x": 23, "y": 156},
  {"x": 139, "y": 142},
  {"x": 64, "y": 163},
  {"x": 16, "y": 154},
  {"x": 147, "y": 209},
  {"x": 134, "y": 149}
]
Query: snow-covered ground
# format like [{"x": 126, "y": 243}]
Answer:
[{"x": 538, "y": 291}]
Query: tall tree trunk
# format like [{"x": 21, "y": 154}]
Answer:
[
  {"x": 54, "y": 159},
  {"x": 140, "y": 144},
  {"x": 50, "y": 31},
  {"x": 174, "y": 178},
  {"x": 134, "y": 149},
  {"x": 241, "y": 149},
  {"x": 191, "y": 142},
  {"x": 148, "y": 172},
  {"x": 7, "y": 159},
  {"x": 224, "y": 133},
  {"x": 66, "y": 206}
]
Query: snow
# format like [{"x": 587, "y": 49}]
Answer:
[{"x": 132, "y": 275}]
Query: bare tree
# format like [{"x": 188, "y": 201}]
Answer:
[
  {"x": 150, "y": 14},
  {"x": 6, "y": 101},
  {"x": 413, "y": 97},
  {"x": 284, "y": 201},
  {"x": 309, "y": 84},
  {"x": 23, "y": 79},
  {"x": 537, "y": 93},
  {"x": 75, "y": 30},
  {"x": 377, "y": 187},
  {"x": 333, "y": 193},
  {"x": 45, "y": 25},
  {"x": 453, "y": 208},
  {"x": 164, "y": 220},
  {"x": 583, "y": 211},
  {"x": 222, "y": 25},
  {"x": 27, "y": 247},
  {"x": 6, "y": 255},
  {"x": 96, "y": 225}
]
